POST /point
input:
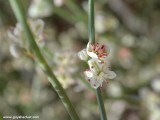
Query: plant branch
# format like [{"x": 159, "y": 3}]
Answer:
[
  {"x": 92, "y": 40},
  {"x": 101, "y": 104},
  {"x": 20, "y": 15},
  {"x": 91, "y": 22}
]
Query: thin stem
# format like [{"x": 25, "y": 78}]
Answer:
[
  {"x": 91, "y": 22},
  {"x": 92, "y": 40},
  {"x": 101, "y": 104},
  {"x": 20, "y": 14}
]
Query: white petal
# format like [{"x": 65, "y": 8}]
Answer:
[
  {"x": 92, "y": 55},
  {"x": 100, "y": 79},
  {"x": 91, "y": 63},
  {"x": 93, "y": 83},
  {"x": 88, "y": 73},
  {"x": 95, "y": 86},
  {"x": 111, "y": 75},
  {"x": 88, "y": 46},
  {"x": 15, "y": 50},
  {"x": 89, "y": 52},
  {"x": 97, "y": 83},
  {"x": 83, "y": 55},
  {"x": 94, "y": 65}
]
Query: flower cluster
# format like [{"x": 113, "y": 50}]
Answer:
[
  {"x": 65, "y": 67},
  {"x": 97, "y": 57},
  {"x": 19, "y": 39}
]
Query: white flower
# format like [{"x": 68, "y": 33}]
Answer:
[
  {"x": 83, "y": 55},
  {"x": 18, "y": 36},
  {"x": 97, "y": 56},
  {"x": 98, "y": 72},
  {"x": 40, "y": 8},
  {"x": 66, "y": 80},
  {"x": 97, "y": 51},
  {"x": 58, "y": 3}
]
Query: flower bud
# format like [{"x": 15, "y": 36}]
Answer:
[{"x": 83, "y": 55}]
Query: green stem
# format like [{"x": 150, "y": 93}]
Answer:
[
  {"x": 91, "y": 22},
  {"x": 20, "y": 14},
  {"x": 101, "y": 104},
  {"x": 92, "y": 40}
]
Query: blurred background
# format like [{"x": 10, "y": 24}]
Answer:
[{"x": 131, "y": 28}]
